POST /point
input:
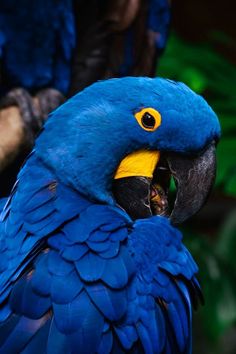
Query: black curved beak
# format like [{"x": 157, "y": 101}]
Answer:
[{"x": 194, "y": 177}]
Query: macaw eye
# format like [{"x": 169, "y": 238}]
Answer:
[{"x": 149, "y": 119}]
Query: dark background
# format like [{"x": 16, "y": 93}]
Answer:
[{"x": 201, "y": 52}]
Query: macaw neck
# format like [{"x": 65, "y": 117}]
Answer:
[
  {"x": 38, "y": 187},
  {"x": 43, "y": 174},
  {"x": 91, "y": 180}
]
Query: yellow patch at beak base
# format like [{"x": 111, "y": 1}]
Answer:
[{"x": 139, "y": 163}]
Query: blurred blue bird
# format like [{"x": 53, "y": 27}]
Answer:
[
  {"x": 87, "y": 265},
  {"x": 40, "y": 42},
  {"x": 36, "y": 43}
]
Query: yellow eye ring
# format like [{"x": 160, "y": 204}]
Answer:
[{"x": 148, "y": 118}]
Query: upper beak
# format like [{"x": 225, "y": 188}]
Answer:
[{"x": 194, "y": 177}]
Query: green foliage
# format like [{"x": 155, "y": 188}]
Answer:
[
  {"x": 211, "y": 75},
  {"x": 218, "y": 280}
]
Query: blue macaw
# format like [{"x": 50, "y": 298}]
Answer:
[
  {"x": 38, "y": 39},
  {"x": 80, "y": 272},
  {"x": 36, "y": 43}
]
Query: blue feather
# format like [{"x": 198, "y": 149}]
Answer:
[
  {"x": 3, "y": 261},
  {"x": 5, "y": 207},
  {"x": 70, "y": 200},
  {"x": 99, "y": 247},
  {"x": 41, "y": 278},
  {"x": 131, "y": 333},
  {"x": 25, "y": 301},
  {"x": 183, "y": 312},
  {"x": 39, "y": 199},
  {"x": 57, "y": 265},
  {"x": 40, "y": 213},
  {"x": 58, "y": 241},
  {"x": 63, "y": 292},
  {"x": 76, "y": 231},
  {"x": 16, "y": 266},
  {"x": 160, "y": 320},
  {"x": 75, "y": 252},
  {"x": 22, "y": 333},
  {"x": 38, "y": 343},
  {"x": 14, "y": 243},
  {"x": 112, "y": 251},
  {"x": 115, "y": 273},
  {"x": 5, "y": 312},
  {"x": 111, "y": 303},
  {"x": 91, "y": 267},
  {"x": 57, "y": 341},
  {"x": 77, "y": 315},
  {"x": 177, "y": 326},
  {"x": 13, "y": 224},
  {"x": 162, "y": 279},
  {"x": 98, "y": 236},
  {"x": 28, "y": 244},
  {"x": 119, "y": 235},
  {"x": 44, "y": 226},
  {"x": 8, "y": 327},
  {"x": 152, "y": 324},
  {"x": 145, "y": 338},
  {"x": 105, "y": 345},
  {"x": 124, "y": 339}
]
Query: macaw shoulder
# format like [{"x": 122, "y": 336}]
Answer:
[
  {"x": 155, "y": 241},
  {"x": 38, "y": 206}
]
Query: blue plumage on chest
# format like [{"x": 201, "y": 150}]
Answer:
[{"x": 109, "y": 282}]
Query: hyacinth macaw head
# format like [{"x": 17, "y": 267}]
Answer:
[{"x": 120, "y": 141}]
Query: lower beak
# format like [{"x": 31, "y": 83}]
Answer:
[
  {"x": 143, "y": 197},
  {"x": 133, "y": 195}
]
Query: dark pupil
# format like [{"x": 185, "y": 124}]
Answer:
[{"x": 148, "y": 120}]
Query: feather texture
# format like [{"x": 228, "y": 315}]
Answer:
[{"x": 128, "y": 296}]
